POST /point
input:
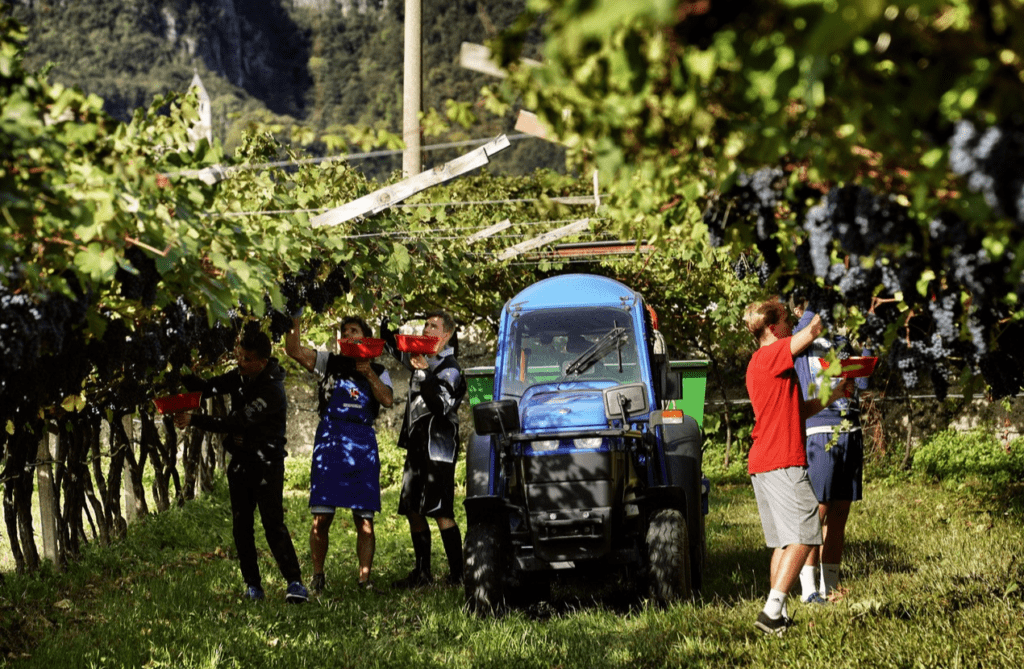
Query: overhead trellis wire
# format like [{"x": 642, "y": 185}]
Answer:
[
  {"x": 412, "y": 234},
  {"x": 225, "y": 170},
  {"x": 571, "y": 201}
]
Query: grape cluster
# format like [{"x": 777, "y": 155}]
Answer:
[
  {"x": 993, "y": 163},
  {"x": 138, "y": 276},
  {"x": 743, "y": 268},
  {"x": 305, "y": 287},
  {"x": 931, "y": 292}
]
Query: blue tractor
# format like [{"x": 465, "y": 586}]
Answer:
[{"x": 576, "y": 464}]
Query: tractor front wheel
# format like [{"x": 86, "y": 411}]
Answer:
[
  {"x": 486, "y": 555},
  {"x": 668, "y": 553}
]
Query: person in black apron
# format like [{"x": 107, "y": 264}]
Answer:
[{"x": 430, "y": 437}]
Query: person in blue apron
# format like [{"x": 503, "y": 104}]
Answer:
[
  {"x": 430, "y": 437},
  {"x": 345, "y": 470}
]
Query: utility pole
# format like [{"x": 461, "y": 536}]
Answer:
[{"x": 412, "y": 86}]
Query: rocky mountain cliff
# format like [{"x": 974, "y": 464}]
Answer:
[{"x": 319, "y": 64}]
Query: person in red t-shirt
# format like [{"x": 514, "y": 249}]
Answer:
[{"x": 778, "y": 462}]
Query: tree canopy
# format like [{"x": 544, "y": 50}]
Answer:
[{"x": 868, "y": 153}]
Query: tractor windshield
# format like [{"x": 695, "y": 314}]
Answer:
[{"x": 568, "y": 345}]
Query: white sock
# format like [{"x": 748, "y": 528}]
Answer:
[
  {"x": 776, "y": 601},
  {"x": 829, "y": 578},
  {"x": 808, "y": 581}
]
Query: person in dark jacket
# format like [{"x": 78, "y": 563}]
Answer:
[
  {"x": 345, "y": 470},
  {"x": 430, "y": 437},
  {"x": 256, "y": 439}
]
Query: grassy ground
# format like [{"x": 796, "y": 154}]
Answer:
[{"x": 933, "y": 578}]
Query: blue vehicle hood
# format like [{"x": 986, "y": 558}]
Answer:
[{"x": 567, "y": 410}]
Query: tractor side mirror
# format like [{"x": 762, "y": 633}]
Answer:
[
  {"x": 625, "y": 400},
  {"x": 499, "y": 417},
  {"x": 673, "y": 385}
]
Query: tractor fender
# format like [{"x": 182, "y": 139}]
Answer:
[
  {"x": 486, "y": 509},
  {"x": 681, "y": 447},
  {"x": 479, "y": 466}
]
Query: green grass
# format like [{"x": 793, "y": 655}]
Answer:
[{"x": 934, "y": 578}]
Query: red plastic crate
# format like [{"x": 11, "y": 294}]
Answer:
[
  {"x": 417, "y": 344},
  {"x": 176, "y": 403},
  {"x": 367, "y": 347},
  {"x": 855, "y": 366}
]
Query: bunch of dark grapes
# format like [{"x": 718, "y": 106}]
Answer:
[
  {"x": 907, "y": 362},
  {"x": 756, "y": 197},
  {"x": 945, "y": 310},
  {"x": 993, "y": 163},
  {"x": 108, "y": 353},
  {"x": 819, "y": 238},
  {"x": 1003, "y": 373},
  {"x": 280, "y": 324},
  {"x": 872, "y": 331},
  {"x": 714, "y": 219},
  {"x": 947, "y": 231},
  {"x": 337, "y": 282},
  {"x": 317, "y": 298},
  {"x": 140, "y": 282},
  {"x": 306, "y": 288},
  {"x": 19, "y": 345},
  {"x": 741, "y": 268},
  {"x": 144, "y": 352},
  {"x": 857, "y": 284},
  {"x": 753, "y": 199}
]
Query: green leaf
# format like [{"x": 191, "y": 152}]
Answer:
[
  {"x": 73, "y": 403},
  {"x": 97, "y": 262}
]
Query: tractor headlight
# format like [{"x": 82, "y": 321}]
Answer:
[
  {"x": 544, "y": 445},
  {"x": 588, "y": 442}
]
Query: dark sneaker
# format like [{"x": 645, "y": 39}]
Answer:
[
  {"x": 415, "y": 579},
  {"x": 297, "y": 593},
  {"x": 317, "y": 584},
  {"x": 815, "y": 598},
  {"x": 254, "y": 593},
  {"x": 772, "y": 626}
]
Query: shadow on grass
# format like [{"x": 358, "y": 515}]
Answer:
[
  {"x": 622, "y": 593},
  {"x": 739, "y": 575}
]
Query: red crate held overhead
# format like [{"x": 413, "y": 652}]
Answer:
[
  {"x": 176, "y": 403},
  {"x": 855, "y": 366},
  {"x": 417, "y": 344},
  {"x": 367, "y": 347}
]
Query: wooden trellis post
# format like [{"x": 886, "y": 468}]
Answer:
[
  {"x": 47, "y": 498},
  {"x": 126, "y": 478}
]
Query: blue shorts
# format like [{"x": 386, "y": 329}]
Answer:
[{"x": 837, "y": 471}]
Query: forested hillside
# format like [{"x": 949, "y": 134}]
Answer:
[{"x": 290, "y": 65}]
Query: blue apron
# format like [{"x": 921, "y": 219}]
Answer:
[{"x": 346, "y": 465}]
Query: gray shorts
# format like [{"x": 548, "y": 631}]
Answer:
[
  {"x": 329, "y": 511},
  {"x": 788, "y": 507}
]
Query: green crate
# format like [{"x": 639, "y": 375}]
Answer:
[
  {"x": 694, "y": 375},
  {"x": 480, "y": 381}
]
